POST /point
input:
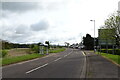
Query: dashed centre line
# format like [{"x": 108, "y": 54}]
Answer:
[
  {"x": 36, "y": 68},
  {"x": 57, "y": 59},
  {"x": 46, "y": 64},
  {"x": 66, "y": 55}
]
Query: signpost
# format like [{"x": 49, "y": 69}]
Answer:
[{"x": 106, "y": 38}]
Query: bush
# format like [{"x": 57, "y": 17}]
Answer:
[
  {"x": 4, "y": 53},
  {"x": 110, "y": 51},
  {"x": 36, "y": 49},
  {"x": 117, "y": 51}
]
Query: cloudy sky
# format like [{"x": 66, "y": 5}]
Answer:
[{"x": 59, "y": 21}]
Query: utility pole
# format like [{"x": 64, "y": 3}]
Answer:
[
  {"x": 119, "y": 16},
  {"x": 94, "y": 34}
]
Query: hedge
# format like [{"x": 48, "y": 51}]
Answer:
[{"x": 110, "y": 51}]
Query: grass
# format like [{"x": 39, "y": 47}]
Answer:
[
  {"x": 10, "y": 60},
  {"x": 57, "y": 50},
  {"x": 115, "y": 58},
  {"x": 15, "y": 59},
  {"x": 109, "y": 49}
]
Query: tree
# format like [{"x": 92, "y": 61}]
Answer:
[
  {"x": 39, "y": 43},
  {"x": 36, "y": 48},
  {"x": 67, "y": 44},
  {"x": 113, "y": 22},
  {"x": 48, "y": 43},
  {"x": 88, "y": 42}
]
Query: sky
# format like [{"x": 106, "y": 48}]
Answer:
[{"x": 57, "y": 21}]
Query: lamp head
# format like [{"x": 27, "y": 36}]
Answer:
[{"x": 92, "y": 20}]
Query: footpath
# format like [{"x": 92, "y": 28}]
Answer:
[{"x": 99, "y": 67}]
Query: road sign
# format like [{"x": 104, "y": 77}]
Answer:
[
  {"x": 106, "y": 36},
  {"x": 106, "y": 42}
]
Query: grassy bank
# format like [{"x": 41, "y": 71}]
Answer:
[
  {"x": 114, "y": 58},
  {"x": 110, "y": 51},
  {"x": 10, "y": 60},
  {"x": 15, "y": 59},
  {"x": 57, "y": 50}
]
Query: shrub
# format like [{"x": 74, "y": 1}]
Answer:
[
  {"x": 110, "y": 51},
  {"x": 3, "y": 53},
  {"x": 36, "y": 49},
  {"x": 117, "y": 51}
]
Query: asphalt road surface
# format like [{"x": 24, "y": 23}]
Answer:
[{"x": 68, "y": 64}]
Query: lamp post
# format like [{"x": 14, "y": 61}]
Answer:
[
  {"x": 119, "y": 16},
  {"x": 94, "y": 33}
]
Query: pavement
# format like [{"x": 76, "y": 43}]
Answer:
[
  {"x": 67, "y": 64},
  {"x": 99, "y": 67}
]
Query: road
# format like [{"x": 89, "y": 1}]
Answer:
[{"x": 68, "y": 64}]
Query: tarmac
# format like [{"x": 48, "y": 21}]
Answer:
[{"x": 100, "y": 67}]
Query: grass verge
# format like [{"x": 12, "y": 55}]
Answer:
[
  {"x": 57, "y": 50},
  {"x": 114, "y": 58},
  {"x": 10, "y": 60}
]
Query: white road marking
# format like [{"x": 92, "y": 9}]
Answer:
[
  {"x": 65, "y": 55},
  {"x": 84, "y": 67},
  {"x": 68, "y": 54},
  {"x": 57, "y": 59},
  {"x": 83, "y": 53},
  {"x": 36, "y": 68},
  {"x": 24, "y": 62}
]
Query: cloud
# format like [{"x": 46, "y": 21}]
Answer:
[
  {"x": 13, "y": 37},
  {"x": 21, "y": 29},
  {"x": 19, "y": 6},
  {"x": 18, "y": 33},
  {"x": 67, "y": 18},
  {"x": 42, "y": 25}
]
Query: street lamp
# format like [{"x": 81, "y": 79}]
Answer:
[
  {"x": 119, "y": 14},
  {"x": 119, "y": 6},
  {"x": 94, "y": 33}
]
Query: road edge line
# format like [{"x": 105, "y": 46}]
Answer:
[{"x": 83, "y": 73}]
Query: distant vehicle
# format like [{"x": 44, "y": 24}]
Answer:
[{"x": 76, "y": 47}]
